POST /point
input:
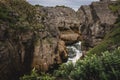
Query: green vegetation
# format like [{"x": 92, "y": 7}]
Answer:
[
  {"x": 92, "y": 67},
  {"x": 63, "y": 6},
  {"x": 105, "y": 67},
  {"x": 64, "y": 70},
  {"x": 115, "y": 7},
  {"x": 111, "y": 39},
  {"x": 35, "y": 76},
  {"x": 99, "y": 64},
  {"x": 21, "y": 18},
  {"x": 5, "y": 14},
  {"x": 118, "y": 21},
  {"x": 26, "y": 11}
]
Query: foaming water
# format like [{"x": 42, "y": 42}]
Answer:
[{"x": 74, "y": 52}]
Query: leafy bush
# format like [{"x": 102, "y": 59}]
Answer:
[
  {"x": 35, "y": 76},
  {"x": 118, "y": 21},
  {"x": 5, "y": 14},
  {"x": 64, "y": 70},
  {"x": 105, "y": 67},
  {"x": 115, "y": 7}
]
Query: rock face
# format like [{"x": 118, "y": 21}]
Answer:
[
  {"x": 23, "y": 49},
  {"x": 42, "y": 47},
  {"x": 64, "y": 21},
  {"x": 96, "y": 20},
  {"x": 16, "y": 50},
  {"x": 61, "y": 30}
]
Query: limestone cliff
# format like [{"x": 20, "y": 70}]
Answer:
[
  {"x": 96, "y": 21},
  {"x": 36, "y": 36},
  {"x": 26, "y": 42}
]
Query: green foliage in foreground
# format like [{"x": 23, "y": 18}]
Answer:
[
  {"x": 115, "y": 7},
  {"x": 105, "y": 67},
  {"x": 35, "y": 76}
]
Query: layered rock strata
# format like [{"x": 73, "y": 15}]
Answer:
[
  {"x": 43, "y": 48},
  {"x": 96, "y": 21}
]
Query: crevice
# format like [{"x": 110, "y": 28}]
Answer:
[{"x": 94, "y": 15}]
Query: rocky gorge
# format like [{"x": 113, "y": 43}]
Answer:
[{"x": 39, "y": 38}]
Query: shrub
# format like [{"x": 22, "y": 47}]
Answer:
[
  {"x": 105, "y": 67},
  {"x": 64, "y": 70},
  {"x": 115, "y": 7},
  {"x": 35, "y": 76},
  {"x": 4, "y": 14}
]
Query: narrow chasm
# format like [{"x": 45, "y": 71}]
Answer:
[{"x": 74, "y": 52}]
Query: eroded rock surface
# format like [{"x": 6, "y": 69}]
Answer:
[
  {"x": 44, "y": 47},
  {"x": 96, "y": 20},
  {"x": 34, "y": 45}
]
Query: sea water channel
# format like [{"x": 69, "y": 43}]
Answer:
[{"x": 74, "y": 52}]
